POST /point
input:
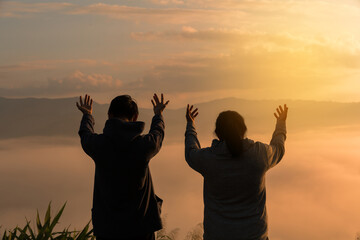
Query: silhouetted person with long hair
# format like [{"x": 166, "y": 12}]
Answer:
[
  {"x": 124, "y": 202},
  {"x": 234, "y": 170}
]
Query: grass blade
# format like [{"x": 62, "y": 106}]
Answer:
[{"x": 57, "y": 217}]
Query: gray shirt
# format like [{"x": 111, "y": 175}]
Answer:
[{"x": 234, "y": 188}]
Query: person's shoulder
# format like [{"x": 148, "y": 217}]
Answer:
[{"x": 250, "y": 144}]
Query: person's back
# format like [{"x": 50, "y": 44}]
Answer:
[
  {"x": 234, "y": 181},
  {"x": 124, "y": 202},
  {"x": 234, "y": 193}
]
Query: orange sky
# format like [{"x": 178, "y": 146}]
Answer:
[{"x": 188, "y": 49}]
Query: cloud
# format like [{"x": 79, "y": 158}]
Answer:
[
  {"x": 247, "y": 63},
  {"x": 281, "y": 64},
  {"x": 77, "y": 82},
  {"x": 22, "y": 9},
  {"x": 167, "y": 2},
  {"x": 152, "y": 15},
  {"x": 51, "y": 64},
  {"x": 219, "y": 45},
  {"x": 312, "y": 194},
  {"x": 277, "y": 14},
  {"x": 44, "y": 173},
  {"x": 189, "y": 11},
  {"x": 121, "y": 12},
  {"x": 242, "y": 38}
]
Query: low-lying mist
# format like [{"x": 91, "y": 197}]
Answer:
[{"x": 312, "y": 194}]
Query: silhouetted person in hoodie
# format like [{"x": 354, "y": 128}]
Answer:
[{"x": 124, "y": 202}]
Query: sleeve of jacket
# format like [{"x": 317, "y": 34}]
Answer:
[
  {"x": 87, "y": 135},
  {"x": 276, "y": 149},
  {"x": 152, "y": 141},
  {"x": 194, "y": 154}
]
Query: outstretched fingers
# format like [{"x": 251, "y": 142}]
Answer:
[
  {"x": 189, "y": 109},
  {"x": 85, "y": 105},
  {"x": 190, "y": 113},
  {"x": 281, "y": 109},
  {"x": 281, "y": 112},
  {"x": 156, "y": 99},
  {"x": 88, "y": 100},
  {"x": 195, "y": 113},
  {"x": 159, "y": 104}
]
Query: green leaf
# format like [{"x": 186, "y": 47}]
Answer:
[
  {"x": 84, "y": 232},
  {"x": 45, "y": 231},
  {"x": 57, "y": 217},
  {"x": 47, "y": 216},
  {"x": 32, "y": 235},
  {"x": 38, "y": 222},
  {"x": 23, "y": 235}
]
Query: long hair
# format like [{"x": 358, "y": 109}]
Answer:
[{"x": 231, "y": 128}]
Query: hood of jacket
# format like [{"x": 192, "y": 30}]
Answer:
[{"x": 122, "y": 131}]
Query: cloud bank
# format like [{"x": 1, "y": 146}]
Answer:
[
  {"x": 281, "y": 49},
  {"x": 312, "y": 194},
  {"x": 77, "y": 82}
]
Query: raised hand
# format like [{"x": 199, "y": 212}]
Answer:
[
  {"x": 86, "y": 106},
  {"x": 159, "y": 106},
  {"x": 191, "y": 114},
  {"x": 281, "y": 113}
]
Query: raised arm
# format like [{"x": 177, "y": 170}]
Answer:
[
  {"x": 276, "y": 149},
  {"x": 193, "y": 151},
  {"x": 86, "y": 131},
  {"x": 153, "y": 140}
]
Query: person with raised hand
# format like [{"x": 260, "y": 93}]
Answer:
[
  {"x": 234, "y": 169},
  {"x": 124, "y": 202}
]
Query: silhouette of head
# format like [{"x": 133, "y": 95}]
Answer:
[
  {"x": 123, "y": 107},
  {"x": 231, "y": 128}
]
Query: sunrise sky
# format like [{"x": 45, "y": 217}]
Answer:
[
  {"x": 198, "y": 49},
  {"x": 193, "y": 51}
]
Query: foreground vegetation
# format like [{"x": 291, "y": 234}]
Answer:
[{"x": 45, "y": 230}]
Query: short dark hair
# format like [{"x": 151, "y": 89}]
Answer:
[{"x": 123, "y": 107}]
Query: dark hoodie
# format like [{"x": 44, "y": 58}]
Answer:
[{"x": 124, "y": 202}]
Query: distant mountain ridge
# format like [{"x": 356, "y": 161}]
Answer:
[{"x": 60, "y": 117}]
